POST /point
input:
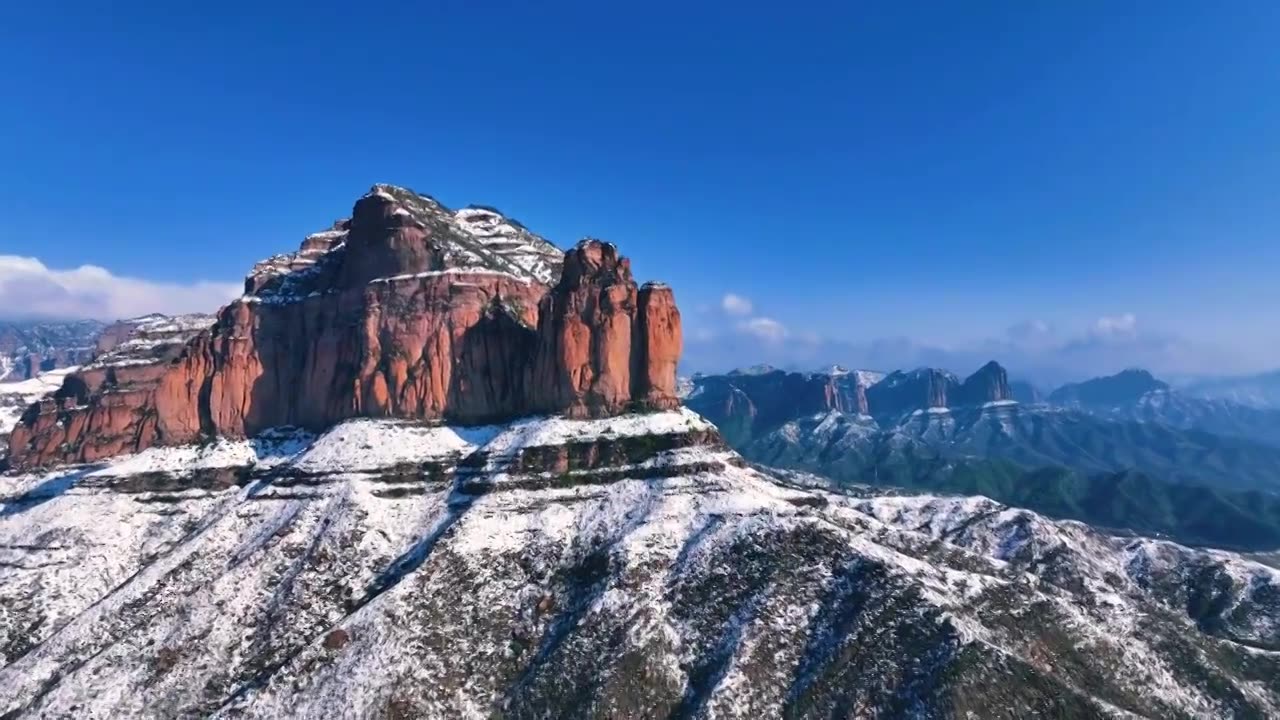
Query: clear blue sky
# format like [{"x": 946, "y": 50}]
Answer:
[{"x": 858, "y": 171}]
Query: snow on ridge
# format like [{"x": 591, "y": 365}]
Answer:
[
  {"x": 269, "y": 450},
  {"x": 40, "y": 384},
  {"x": 450, "y": 271},
  {"x": 16, "y": 396},
  {"x": 867, "y": 378},
  {"x": 683, "y": 527},
  {"x": 540, "y": 431},
  {"x": 368, "y": 444}
]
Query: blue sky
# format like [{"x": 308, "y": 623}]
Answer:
[{"x": 1077, "y": 188}]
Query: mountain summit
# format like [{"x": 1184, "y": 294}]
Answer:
[
  {"x": 407, "y": 309},
  {"x": 1123, "y": 387}
]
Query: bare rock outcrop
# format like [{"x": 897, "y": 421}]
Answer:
[{"x": 402, "y": 311}]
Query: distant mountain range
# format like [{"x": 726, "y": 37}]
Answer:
[
  {"x": 32, "y": 347},
  {"x": 1260, "y": 391},
  {"x": 927, "y": 428}
]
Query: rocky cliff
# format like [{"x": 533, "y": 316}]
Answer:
[{"x": 407, "y": 309}]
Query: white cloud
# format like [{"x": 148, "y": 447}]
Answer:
[
  {"x": 1116, "y": 325},
  {"x": 28, "y": 288},
  {"x": 766, "y": 329},
  {"x": 736, "y": 304}
]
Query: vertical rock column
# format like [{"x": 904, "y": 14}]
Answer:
[
  {"x": 583, "y": 367},
  {"x": 657, "y": 345}
]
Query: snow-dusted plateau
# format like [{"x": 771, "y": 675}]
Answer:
[{"x": 625, "y": 567}]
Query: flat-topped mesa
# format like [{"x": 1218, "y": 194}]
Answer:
[{"x": 406, "y": 310}]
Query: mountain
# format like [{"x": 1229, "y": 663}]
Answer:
[
  {"x": 30, "y": 348},
  {"x": 1217, "y": 416},
  {"x": 1129, "y": 421},
  {"x": 1080, "y": 462},
  {"x": 1122, "y": 388},
  {"x": 1259, "y": 391},
  {"x": 16, "y": 396},
  {"x": 748, "y": 403},
  {"x": 425, "y": 467},
  {"x": 753, "y": 400},
  {"x": 146, "y": 339},
  {"x": 856, "y": 450},
  {"x": 406, "y": 309},
  {"x": 1135, "y": 395},
  {"x": 150, "y": 340},
  {"x": 1025, "y": 393},
  {"x": 990, "y": 384},
  {"x": 1047, "y": 437},
  {"x": 614, "y": 567}
]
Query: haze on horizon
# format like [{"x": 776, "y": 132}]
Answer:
[{"x": 1069, "y": 190}]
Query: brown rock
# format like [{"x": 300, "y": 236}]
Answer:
[
  {"x": 585, "y": 359},
  {"x": 374, "y": 319},
  {"x": 658, "y": 344}
]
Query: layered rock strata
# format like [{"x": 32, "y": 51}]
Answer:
[{"x": 406, "y": 310}]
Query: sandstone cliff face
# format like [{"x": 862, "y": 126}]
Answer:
[
  {"x": 402, "y": 311},
  {"x": 604, "y": 345}
]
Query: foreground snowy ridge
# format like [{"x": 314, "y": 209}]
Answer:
[{"x": 605, "y": 568}]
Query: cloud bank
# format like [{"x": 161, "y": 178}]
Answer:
[{"x": 31, "y": 290}]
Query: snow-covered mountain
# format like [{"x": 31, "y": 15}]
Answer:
[
  {"x": 1259, "y": 391},
  {"x": 621, "y": 567},
  {"x": 15, "y": 396},
  {"x": 429, "y": 466},
  {"x": 33, "y": 347},
  {"x": 1137, "y": 396},
  {"x": 146, "y": 340}
]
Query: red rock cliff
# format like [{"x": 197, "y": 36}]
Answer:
[{"x": 401, "y": 311}]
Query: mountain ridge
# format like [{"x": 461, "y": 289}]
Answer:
[{"x": 587, "y": 567}]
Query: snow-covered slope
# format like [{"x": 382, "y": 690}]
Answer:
[
  {"x": 147, "y": 339},
  {"x": 16, "y": 396},
  {"x": 624, "y": 567},
  {"x": 532, "y": 253}
]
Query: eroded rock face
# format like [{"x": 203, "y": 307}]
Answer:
[
  {"x": 604, "y": 345},
  {"x": 660, "y": 340},
  {"x": 400, "y": 312}
]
